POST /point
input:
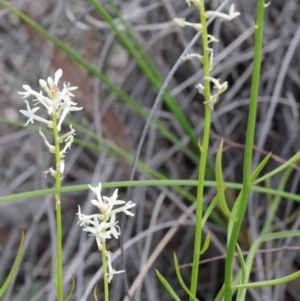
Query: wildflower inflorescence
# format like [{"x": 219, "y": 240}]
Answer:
[
  {"x": 218, "y": 88},
  {"x": 58, "y": 104},
  {"x": 103, "y": 225}
]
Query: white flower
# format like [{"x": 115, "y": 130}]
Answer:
[
  {"x": 211, "y": 39},
  {"x": 115, "y": 230},
  {"x": 128, "y": 206},
  {"x": 66, "y": 136},
  {"x": 227, "y": 17},
  {"x": 104, "y": 225},
  {"x": 182, "y": 23},
  {"x": 51, "y": 171},
  {"x": 99, "y": 202},
  {"x": 51, "y": 86},
  {"x": 190, "y": 56},
  {"x": 51, "y": 147},
  {"x": 84, "y": 220},
  {"x": 66, "y": 108},
  {"x": 30, "y": 113},
  {"x": 220, "y": 87},
  {"x": 196, "y": 2},
  {"x": 61, "y": 167},
  {"x": 56, "y": 102},
  {"x": 112, "y": 201},
  {"x": 45, "y": 101},
  {"x": 111, "y": 271},
  {"x": 99, "y": 230},
  {"x": 107, "y": 214},
  {"x": 200, "y": 87},
  {"x": 105, "y": 204},
  {"x": 69, "y": 140}
]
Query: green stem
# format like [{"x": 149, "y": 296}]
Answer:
[
  {"x": 104, "y": 265},
  {"x": 59, "y": 268},
  {"x": 203, "y": 157},
  {"x": 141, "y": 183},
  {"x": 242, "y": 206}
]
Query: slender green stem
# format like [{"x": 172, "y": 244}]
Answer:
[
  {"x": 203, "y": 157},
  {"x": 242, "y": 206},
  {"x": 277, "y": 281},
  {"x": 59, "y": 266},
  {"x": 146, "y": 183},
  {"x": 264, "y": 233},
  {"x": 104, "y": 265},
  {"x": 14, "y": 268}
]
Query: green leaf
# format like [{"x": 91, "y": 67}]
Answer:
[
  {"x": 285, "y": 165},
  {"x": 14, "y": 267},
  {"x": 95, "y": 293},
  {"x": 220, "y": 184},
  {"x": 167, "y": 286},
  {"x": 242, "y": 263},
  {"x": 181, "y": 280},
  {"x": 260, "y": 166},
  {"x": 220, "y": 293},
  {"x": 206, "y": 243},
  {"x": 72, "y": 289},
  {"x": 200, "y": 146},
  {"x": 209, "y": 210},
  {"x": 277, "y": 281},
  {"x": 234, "y": 211}
]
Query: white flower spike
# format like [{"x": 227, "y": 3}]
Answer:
[
  {"x": 56, "y": 102},
  {"x": 104, "y": 225}
]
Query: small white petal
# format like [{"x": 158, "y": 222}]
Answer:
[
  {"x": 43, "y": 83},
  {"x": 29, "y": 113},
  {"x": 57, "y": 76},
  {"x": 50, "y": 82}
]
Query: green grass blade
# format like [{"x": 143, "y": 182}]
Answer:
[
  {"x": 250, "y": 258},
  {"x": 220, "y": 293},
  {"x": 278, "y": 281},
  {"x": 243, "y": 200},
  {"x": 220, "y": 184},
  {"x": 260, "y": 166},
  {"x": 183, "y": 285},
  {"x": 209, "y": 210},
  {"x": 14, "y": 268},
  {"x": 242, "y": 263},
  {"x": 206, "y": 243},
  {"x": 95, "y": 293},
  {"x": 282, "y": 167},
  {"x": 167, "y": 286},
  {"x": 72, "y": 290},
  {"x": 145, "y": 183}
]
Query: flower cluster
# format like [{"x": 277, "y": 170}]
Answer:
[
  {"x": 218, "y": 87},
  {"x": 103, "y": 225},
  {"x": 58, "y": 104}
]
